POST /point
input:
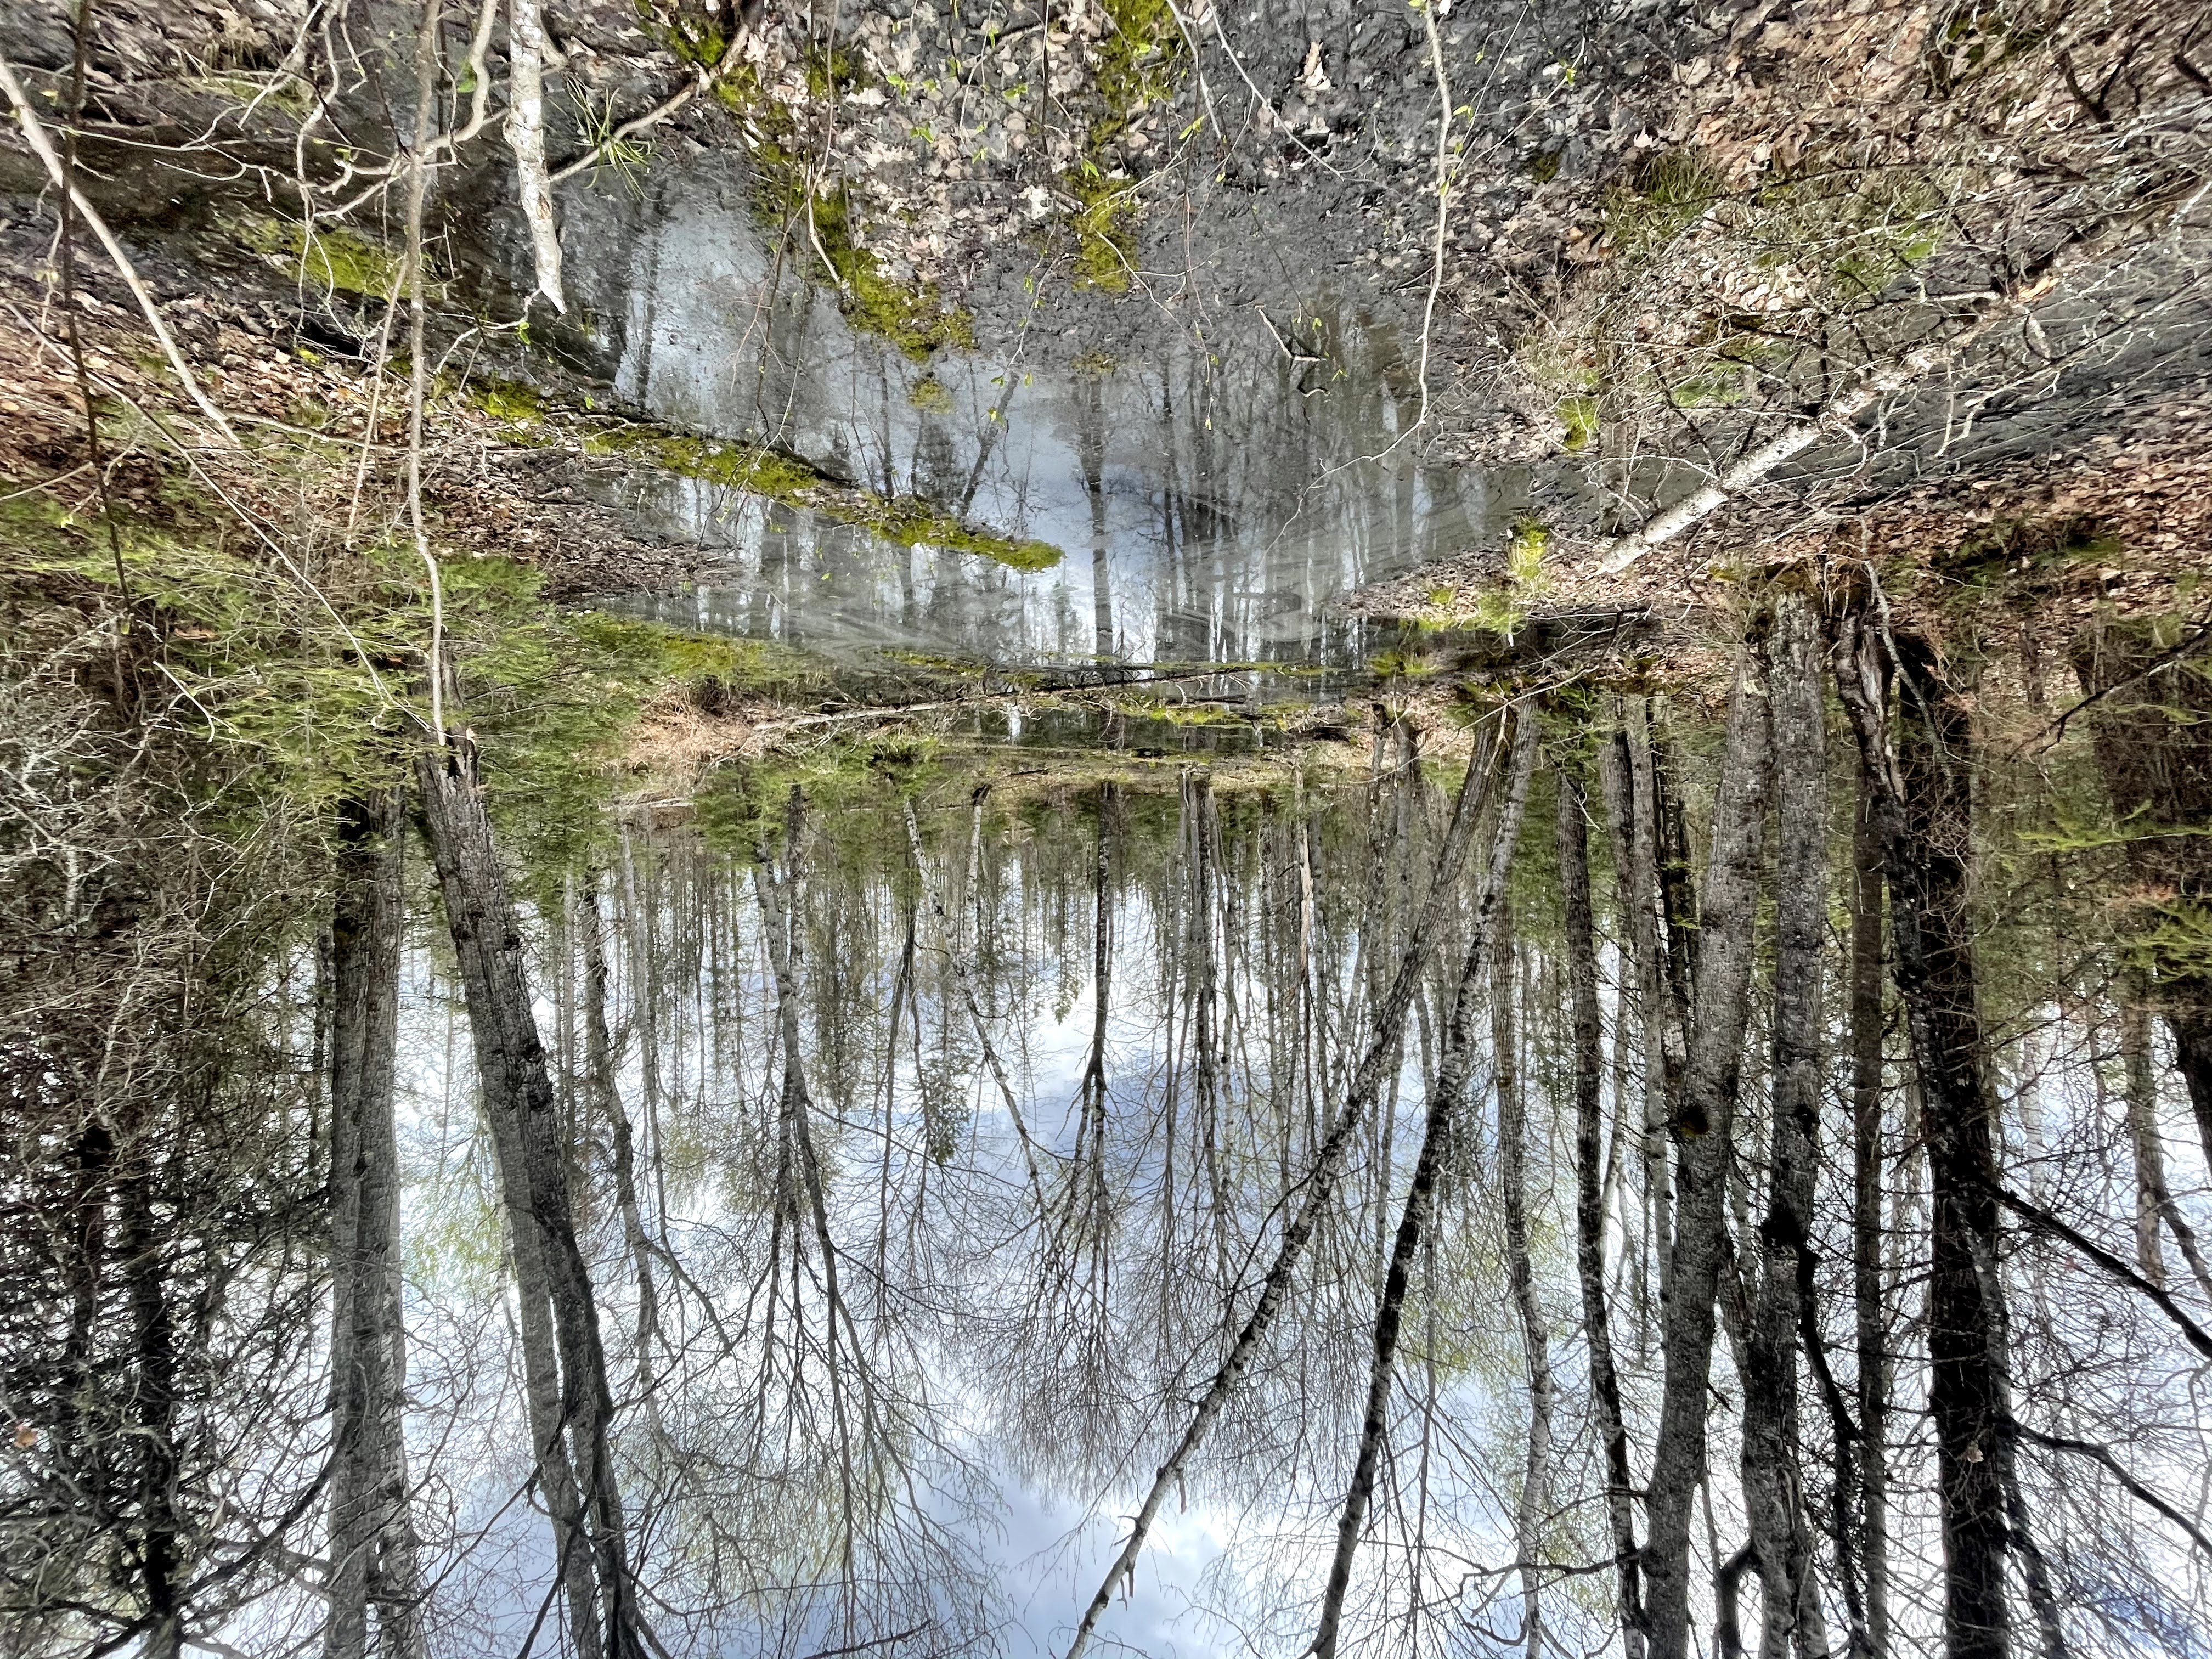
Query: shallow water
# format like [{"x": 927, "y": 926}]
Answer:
[{"x": 918, "y": 1393}]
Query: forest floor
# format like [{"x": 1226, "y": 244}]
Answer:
[{"x": 948, "y": 165}]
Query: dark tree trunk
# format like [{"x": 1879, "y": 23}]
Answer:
[
  {"x": 2192, "y": 1052},
  {"x": 1773, "y": 1476},
  {"x": 1922, "y": 795},
  {"x": 1589, "y": 1207},
  {"x": 1867, "y": 1223},
  {"x": 519, "y": 1099},
  {"x": 372, "y": 1551},
  {"x": 152, "y": 1449},
  {"x": 1702, "y": 1129}
]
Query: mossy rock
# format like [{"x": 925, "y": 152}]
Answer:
[{"x": 909, "y": 520}]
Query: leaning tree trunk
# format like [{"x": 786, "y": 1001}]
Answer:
[
  {"x": 1773, "y": 1475},
  {"x": 1702, "y": 1128},
  {"x": 373, "y": 1549},
  {"x": 1387, "y": 1032},
  {"x": 1925, "y": 812},
  {"x": 1535, "y": 1501},
  {"x": 550, "y": 1268},
  {"x": 1589, "y": 1207},
  {"x": 1445, "y": 1096}
]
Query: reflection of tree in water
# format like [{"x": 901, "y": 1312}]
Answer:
[
  {"x": 1074, "y": 1311},
  {"x": 1411, "y": 1179}
]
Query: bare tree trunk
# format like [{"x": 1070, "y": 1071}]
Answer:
[
  {"x": 1536, "y": 1503},
  {"x": 1388, "y": 1025},
  {"x": 956, "y": 956},
  {"x": 1633, "y": 796},
  {"x": 152, "y": 1421},
  {"x": 372, "y": 1548},
  {"x": 2155, "y": 1203},
  {"x": 1444, "y": 1100},
  {"x": 1089, "y": 1202},
  {"x": 1923, "y": 796},
  {"x": 2151, "y": 739},
  {"x": 1702, "y": 1128},
  {"x": 1589, "y": 1207},
  {"x": 550, "y": 1268},
  {"x": 2142, "y": 1139},
  {"x": 526, "y": 135},
  {"x": 2191, "y": 1030},
  {"x": 1773, "y": 1474},
  {"x": 1872, "y": 1327},
  {"x": 606, "y": 1094}
]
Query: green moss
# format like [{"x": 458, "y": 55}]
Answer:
[
  {"x": 1136, "y": 63},
  {"x": 929, "y": 395},
  {"x": 332, "y": 259},
  {"x": 1524, "y": 553},
  {"x": 909, "y": 520},
  {"x": 830, "y": 70},
  {"x": 960, "y": 666},
  {"x": 1136, "y": 58},
  {"x": 1579, "y": 416},
  {"x": 817, "y": 222},
  {"x": 1669, "y": 193},
  {"x": 743, "y": 93},
  {"x": 1708, "y": 388},
  {"x": 1401, "y": 664},
  {"x": 284, "y": 686},
  {"x": 1105, "y": 251},
  {"x": 912, "y": 316},
  {"x": 696, "y": 38},
  {"x": 1501, "y": 607},
  {"x": 509, "y": 401}
]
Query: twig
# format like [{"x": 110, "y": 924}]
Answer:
[
  {"x": 1197, "y": 67},
  {"x": 1288, "y": 351},
  {"x": 704, "y": 82},
  {"x": 2135, "y": 1487},
  {"x": 35, "y": 132},
  {"x": 67, "y": 262},
  {"x": 2197, "y": 1337},
  {"x": 426, "y": 79}
]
